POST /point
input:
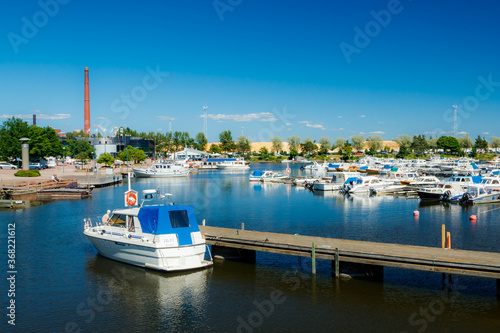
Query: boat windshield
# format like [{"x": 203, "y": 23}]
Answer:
[{"x": 118, "y": 220}]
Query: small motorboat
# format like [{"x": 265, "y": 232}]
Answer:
[{"x": 164, "y": 237}]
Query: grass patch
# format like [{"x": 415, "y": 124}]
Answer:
[{"x": 27, "y": 173}]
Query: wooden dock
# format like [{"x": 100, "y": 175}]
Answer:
[{"x": 451, "y": 261}]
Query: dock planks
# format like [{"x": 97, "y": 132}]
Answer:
[{"x": 452, "y": 261}]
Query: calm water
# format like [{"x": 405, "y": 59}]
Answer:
[{"x": 63, "y": 285}]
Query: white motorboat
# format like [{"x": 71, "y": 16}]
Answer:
[
  {"x": 454, "y": 186},
  {"x": 162, "y": 237},
  {"x": 335, "y": 183},
  {"x": 491, "y": 183},
  {"x": 162, "y": 170},
  {"x": 363, "y": 184},
  {"x": 421, "y": 182},
  {"x": 479, "y": 194},
  {"x": 265, "y": 176},
  {"x": 233, "y": 164},
  {"x": 388, "y": 189}
]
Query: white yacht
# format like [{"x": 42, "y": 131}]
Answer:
[
  {"x": 363, "y": 184},
  {"x": 479, "y": 194},
  {"x": 162, "y": 237},
  {"x": 162, "y": 170},
  {"x": 233, "y": 164}
]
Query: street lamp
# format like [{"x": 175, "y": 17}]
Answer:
[{"x": 64, "y": 157}]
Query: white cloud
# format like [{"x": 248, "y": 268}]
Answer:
[
  {"x": 288, "y": 124},
  {"x": 362, "y": 116},
  {"x": 464, "y": 133},
  {"x": 315, "y": 126},
  {"x": 162, "y": 118},
  {"x": 305, "y": 122},
  {"x": 101, "y": 118},
  {"x": 485, "y": 133},
  {"x": 339, "y": 116},
  {"x": 262, "y": 116},
  {"x": 381, "y": 122},
  {"x": 39, "y": 115},
  {"x": 377, "y": 132}
]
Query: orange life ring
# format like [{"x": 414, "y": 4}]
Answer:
[
  {"x": 288, "y": 170},
  {"x": 131, "y": 199}
]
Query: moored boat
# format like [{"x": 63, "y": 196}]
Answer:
[{"x": 161, "y": 237}]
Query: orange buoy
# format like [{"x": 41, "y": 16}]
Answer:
[
  {"x": 416, "y": 213},
  {"x": 473, "y": 218}
]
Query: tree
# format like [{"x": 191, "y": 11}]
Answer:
[
  {"x": 433, "y": 143},
  {"x": 293, "y": 153},
  {"x": 131, "y": 154},
  {"x": 201, "y": 141},
  {"x": 357, "y": 141},
  {"x": 326, "y": 145},
  {"x": 448, "y": 143},
  {"x": 403, "y": 152},
  {"x": 495, "y": 142},
  {"x": 77, "y": 147},
  {"x": 214, "y": 149},
  {"x": 308, "y": 146},
  {"x": 226, "y": 141},
  {"x": 44, "y": 142},
  {"x": 106, "y": 158},
  {"x": 419, "y": 144},
  {"x": 481, "y": 144},
  {"x": 138, "y": 155},
  {"x": 11, "y": 131},
  {"x": 293, "y": 143},
  {"x": 403, "y": 140},
  {"x": 176, "y": 140},
  {"x": 339, "y": 143},
  {"x": 346, "y": 151},
  {"x": 376, "y": 142},
  {"x": 277, "y": 144},
  {"x": 264, "y": 152},
  {"x": 243, "y": 145},
  {"x": 465, "y": 142}
]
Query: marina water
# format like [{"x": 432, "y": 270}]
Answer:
[{"x": 63, "y": 285}]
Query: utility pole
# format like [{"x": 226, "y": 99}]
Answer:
[
  {"x": 455, "y": 121},
  {"x": 205, "y": 107}
]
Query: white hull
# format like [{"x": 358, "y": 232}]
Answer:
[
  {"x": 232, "y": 167},
  {"x": 326, "y": 187},
  {"x": 149, "y": 255},
  {"x": 145, "y": 173}
]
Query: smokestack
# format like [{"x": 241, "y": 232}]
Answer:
[
  {"x": 86, "y": 123},
  {"x": 34, "y": 119}
]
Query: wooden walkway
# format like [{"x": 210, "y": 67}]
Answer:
[{"x": 461, "y": 262}]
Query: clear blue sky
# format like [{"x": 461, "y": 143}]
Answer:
[{"x": 272, "y": 67}]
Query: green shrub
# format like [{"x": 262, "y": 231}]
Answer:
[{"x": 27, "y": 173}]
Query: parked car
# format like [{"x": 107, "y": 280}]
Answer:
[
  {"x": 5, "y": 165},
  {"x": 37, "y": 166}
]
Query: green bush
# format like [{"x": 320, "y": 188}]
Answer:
[{"x": 27, "y": 173}]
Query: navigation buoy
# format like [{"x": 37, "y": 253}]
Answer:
[
  {"x": 473, "y": 218},
  {"x": 416, "y": 213}
]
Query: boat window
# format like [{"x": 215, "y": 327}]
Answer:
[
  {"x": 118, "y": 219},
  {"x": 179, "y": 218}
]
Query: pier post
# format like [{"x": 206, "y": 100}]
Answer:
[
  {"x": 443, "y": 235},
  {"x": 313, "y": 259},
  {"x": 337, "y": 265},
  {"x": 242, "y": 226},
  {"x": 498, "y": 288}
]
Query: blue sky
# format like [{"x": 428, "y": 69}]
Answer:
[{"x": 264, "y": 68}]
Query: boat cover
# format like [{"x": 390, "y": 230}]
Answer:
[{"x": 169, "y": 219}]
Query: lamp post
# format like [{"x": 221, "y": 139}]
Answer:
[
  {"x": 64, "y": 157},
  {"x": 25, "y": 153}
]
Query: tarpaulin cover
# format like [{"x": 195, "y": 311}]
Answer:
[{"x": 173, "y": 219}]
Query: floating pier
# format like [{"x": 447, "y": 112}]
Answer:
[{"x": 369, "y": 257}]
